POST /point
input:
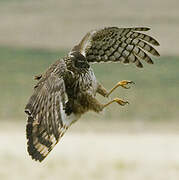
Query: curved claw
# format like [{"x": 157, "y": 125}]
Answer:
[
  {"x": 125, "y": 87},
  {"x": 122, "y": 84},
  {"x": 132, "y": 82},
  {"x": 121, "y": 102},
  {"x": 125, "y": 82}
]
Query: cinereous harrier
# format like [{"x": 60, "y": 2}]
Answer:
[{"x": 68, "y": 88}]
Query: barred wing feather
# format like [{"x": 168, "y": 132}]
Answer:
[
  {"x": 46, "y": 117},
  {"x": 113, "y": 44}
]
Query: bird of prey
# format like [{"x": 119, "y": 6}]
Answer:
[{"x": 68, "y": 88}]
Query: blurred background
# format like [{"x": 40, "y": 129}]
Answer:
[{"x": 138, "y": 141}]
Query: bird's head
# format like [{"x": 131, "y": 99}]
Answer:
[{"x": 78, "y": 60}]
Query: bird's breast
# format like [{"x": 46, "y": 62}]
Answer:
[
  {"x": 78, "y": 90},
  {"x": 87, "y": 82},
  {"x": 83, "y": 81}
]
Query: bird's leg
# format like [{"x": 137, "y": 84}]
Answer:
[
  {"x": 122, "y": 84},
  {"x": 95, "y": 105},
  {"x": 117, "y": 100},
  {"x": 101, "y": 90}
]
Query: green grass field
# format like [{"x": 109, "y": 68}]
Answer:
[{"x": 154, "y": 97}]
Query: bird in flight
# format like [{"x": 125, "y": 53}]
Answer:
[{"x": 68, "y": 88}]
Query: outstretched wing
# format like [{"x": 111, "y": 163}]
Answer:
[
  {"x": 118, "y": 45},
  {"x": 45, "y": 112}
]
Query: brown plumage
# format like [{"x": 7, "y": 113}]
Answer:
[{"x": 68, "y": 88}]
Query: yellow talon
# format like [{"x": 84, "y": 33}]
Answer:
[
  {"x": 124, "y": 83},
  {"x": 121, "y": 102}
]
